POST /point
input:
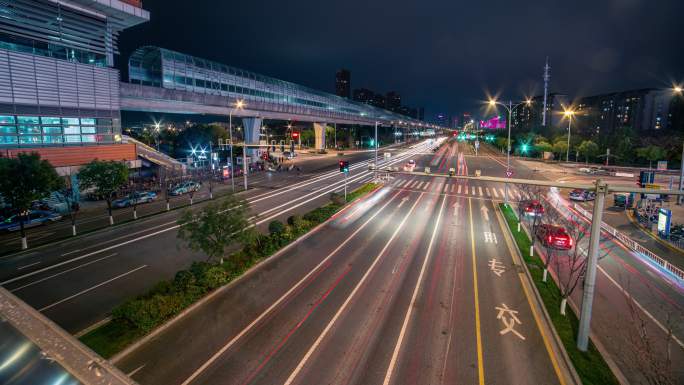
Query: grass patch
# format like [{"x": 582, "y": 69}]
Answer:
[
  {"x": 138, "y": 316},
  {"x": 111, "y": 338},
  {"x": 589, "y": 365}
]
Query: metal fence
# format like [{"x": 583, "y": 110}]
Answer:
[{"x": 633, "y": 245}]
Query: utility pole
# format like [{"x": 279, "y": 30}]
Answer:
[
  {"x": 376, "y": 151},
  {"x": 592, "y": 262},
  {"x": 230, "y": 137},
  {"x": 245, "y": 166}
]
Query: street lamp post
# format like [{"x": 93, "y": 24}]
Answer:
[
  {"x": 510, "y": 107},
  {"x": 238, "y": 105},
  {"x": 678, "y": 91},
  {"x": 568, "y": 114}
]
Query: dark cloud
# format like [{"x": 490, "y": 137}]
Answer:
[{"x": 444, "y": 55}]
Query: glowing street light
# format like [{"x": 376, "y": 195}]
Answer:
[
  {"x": 510, "y": 107},
  {"x": 238, "y": 106},
  {"x": 569, "y": 113}
]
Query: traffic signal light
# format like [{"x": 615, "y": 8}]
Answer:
[
  {"x": 344, "y": 166},
  {"x": 295, "y": 135}
]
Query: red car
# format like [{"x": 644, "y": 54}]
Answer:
[
  {"x": 532, "y": 208},
  {"x": 554, "y": 236}
]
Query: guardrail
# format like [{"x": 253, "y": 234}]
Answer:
[{"x": 633, "y": 245}]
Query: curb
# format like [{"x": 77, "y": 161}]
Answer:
[
  {"x": 607, "y": 357},
  {"x": 570, "y": 372},
  {"x": 131, "y": 348},
  {"x": 110, "y": 227}
]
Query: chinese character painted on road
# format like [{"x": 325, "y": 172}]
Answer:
[
  {"x": 509, "y": 318},
  {"x": 490, "y": 237},
  {"x": 496, "y": 266}
]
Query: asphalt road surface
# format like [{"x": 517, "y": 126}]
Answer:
[
  {"x": 77, "y": 282},
  {"x": 412, "y": 285}
]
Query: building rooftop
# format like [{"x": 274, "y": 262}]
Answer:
[{"x": 123, "y": 13}]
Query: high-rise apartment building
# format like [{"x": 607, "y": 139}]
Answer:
[{"x": 343, "y": 83}]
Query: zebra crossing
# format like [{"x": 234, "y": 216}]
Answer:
[{"x": 456, "y": 187}]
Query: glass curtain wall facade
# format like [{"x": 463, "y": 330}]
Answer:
[
  {"x": 57, "y": 86},
  {"x": 50, "y": 29},
  {"x": 159, "y": 67}
]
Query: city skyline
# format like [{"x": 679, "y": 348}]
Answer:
[{"x": 614, "y": 56}]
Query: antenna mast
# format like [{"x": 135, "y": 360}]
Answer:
[{"x": 547, "y": 77}]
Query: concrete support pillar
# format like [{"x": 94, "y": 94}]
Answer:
[
  {"x": 252, "y": 127},
  {"x": 319, "y": 133}
]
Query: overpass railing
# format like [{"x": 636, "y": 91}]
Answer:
[{"x": 137, "y": 91}]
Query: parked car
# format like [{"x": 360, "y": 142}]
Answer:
[
  {"x": 532, "y": 208},
  {"x": 135, "y": 198},
  {"x": 33, "y": 219},
  {"x": 289, "y": 155},
  {"x": 582, "y": 195},
  {"x": 554, "y": 237},
  {"x": 185, "y": 188}
]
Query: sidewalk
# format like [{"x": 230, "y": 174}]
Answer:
[{"x": 621, "y": 221}]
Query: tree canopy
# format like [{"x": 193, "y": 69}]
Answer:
[
  {"x": 216, "y": 227},
  {"x": 25, "y": 179},
  {"x": 589, "y": 149}
]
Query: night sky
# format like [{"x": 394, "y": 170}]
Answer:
[{"x": 444, "y": 55}]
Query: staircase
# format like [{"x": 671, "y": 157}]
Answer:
[{"x": 159, "y": 158}]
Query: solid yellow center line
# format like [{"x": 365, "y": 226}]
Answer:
[{"x": 480, "y": 367}]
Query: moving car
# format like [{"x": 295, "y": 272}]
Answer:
[
  {"x": 135, "y": 198},
  {"x": 33, "y": 219},
  {"x": 532, "y": 208},
  {"x": 582, "y": 195},
  {"x": 185, "y": 188},
  {"x": 410, "y": 165},
  {"x": 554, "y": 237}
]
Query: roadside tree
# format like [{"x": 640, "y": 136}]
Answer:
[
  {"x": 106, "y": 178},
  {"x": 216, "y": 227},
  {"x": 589, "y": 149},
  {"x": 651, "y": 154},
  {"x": 25, "y": 179}
]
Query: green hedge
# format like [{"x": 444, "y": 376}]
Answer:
[
  {"x": 590, "y": 365},
  {"x": 140, "y": 315}
]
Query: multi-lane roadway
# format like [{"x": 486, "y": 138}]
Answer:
[
  {"x": 415, "y": 284},
  {"x": 79, "y": 281}
]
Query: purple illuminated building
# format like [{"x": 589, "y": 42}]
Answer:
[{"x": 494, "y": 123}]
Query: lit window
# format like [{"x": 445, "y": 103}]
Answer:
[
  {"x": 50, "y": 120},
  {"x": 8, "y": 129},
  {"x": 7, "y": 119},
  {"x": 27, "y": 119}
]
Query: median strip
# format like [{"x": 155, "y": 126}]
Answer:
[
  {"x": 590, "y": 365},
  {"x": 143, "y": 314}
]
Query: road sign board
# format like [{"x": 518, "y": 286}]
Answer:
[{"x": 509, "y": 173}]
